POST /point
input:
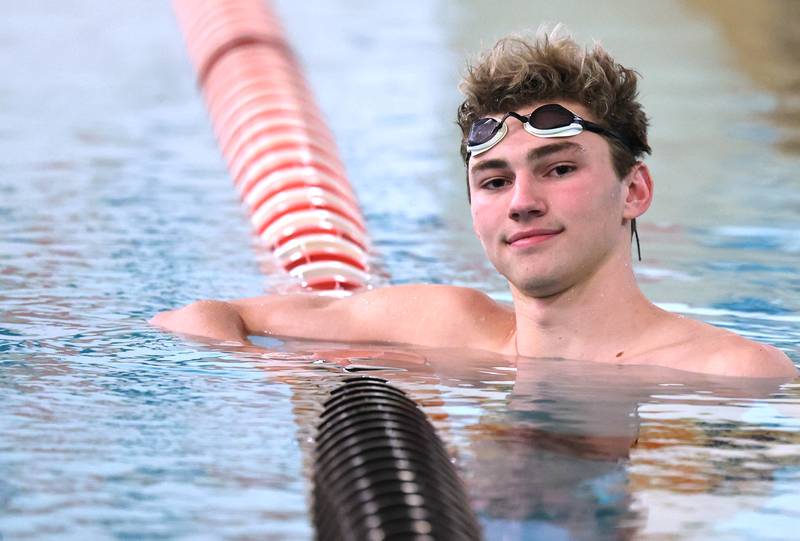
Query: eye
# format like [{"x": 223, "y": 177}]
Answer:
[
  {"x": 494, "y": 183},
  {"x": 562, "y": 170}
]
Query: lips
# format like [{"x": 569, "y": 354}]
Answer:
[{"x": 532, "y": 236}]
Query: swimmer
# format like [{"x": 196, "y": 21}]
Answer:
[{"x": 553, "y": 139}]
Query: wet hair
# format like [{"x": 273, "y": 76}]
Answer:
[{"x": 519, "y": 71}]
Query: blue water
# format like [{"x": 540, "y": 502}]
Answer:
[{"x": 115, "y": 204}]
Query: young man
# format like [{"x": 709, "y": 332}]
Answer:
[{"x": 552, "y": 139}]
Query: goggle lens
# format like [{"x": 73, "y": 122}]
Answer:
[
  {"x": 548, "y": 117},
  {"x": 482, "y": 130}
]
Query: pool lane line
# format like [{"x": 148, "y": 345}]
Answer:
[{"x": 279, "y": 150}]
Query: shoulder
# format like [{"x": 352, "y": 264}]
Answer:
[
  {"x": 734, "y": 355},
  {"x": 712, "y": 350},
  {"x": 438, "y": 315},
  {"x": 433, "y": 295}
]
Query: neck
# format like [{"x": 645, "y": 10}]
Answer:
[{"x": 601, "y": 318}]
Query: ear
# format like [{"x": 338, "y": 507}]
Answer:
[{"x": 639, "y": 191}]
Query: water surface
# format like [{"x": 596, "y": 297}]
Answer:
[{"x": 115, "y": 204}]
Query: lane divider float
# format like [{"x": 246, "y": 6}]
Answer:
[
  {"x": 382, "y": 472},
  {"x": 279, "y": 150}
]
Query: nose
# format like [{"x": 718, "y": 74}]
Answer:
[{"x": 526, "y": 200}]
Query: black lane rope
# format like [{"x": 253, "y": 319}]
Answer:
[{"x": 382, "y": 474}]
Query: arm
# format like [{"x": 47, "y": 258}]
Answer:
[
  {"x": 235, "y": 320},
  {"x": 212, "y": 319},
  {"x": 418, "y": 314}
]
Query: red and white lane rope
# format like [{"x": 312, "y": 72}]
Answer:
[{"x": 279, "y": 150}]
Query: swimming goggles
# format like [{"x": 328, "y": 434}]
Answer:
[{"x": 551, "y": 120}]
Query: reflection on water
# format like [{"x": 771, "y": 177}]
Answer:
[
  {"x": 165, "y": 431},
  {"x": 575, "y": 450},
  {"x": 114, "y": 204}
]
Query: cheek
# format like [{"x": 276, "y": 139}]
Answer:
[
  {"x": 476, "y": 224},
  {"x": 615, "y": 200},
  {"x": 484, "y": 217},
  {"x": 589, "y": 201},
  {"x": 577, "y": 201}
]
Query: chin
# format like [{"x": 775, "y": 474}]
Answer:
[
  {"x": 539, "y": 286},
  {"x": 541, "y": 291}
]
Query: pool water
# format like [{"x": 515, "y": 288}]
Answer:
[{"x": 115, "y": 204}]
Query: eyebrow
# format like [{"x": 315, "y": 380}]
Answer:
[
  {"x": 533, "y": 155},
  {"x": 541, "y": 152}
]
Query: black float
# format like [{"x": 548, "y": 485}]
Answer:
[{"x": 382, "y": 473}]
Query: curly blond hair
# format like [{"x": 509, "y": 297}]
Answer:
[{"x": 519, "y": 71}]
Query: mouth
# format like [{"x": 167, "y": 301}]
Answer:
[{"x": 531, "y": 237}]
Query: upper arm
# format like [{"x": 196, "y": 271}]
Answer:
[{"x": 416, "y": 314}]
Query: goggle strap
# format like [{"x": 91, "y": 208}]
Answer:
[{"x": 590, "y": 126}]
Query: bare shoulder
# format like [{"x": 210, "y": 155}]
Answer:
[
  {"x": 430, "y": 295},
  {"x": 712, "y": 350},
  {"x": 735, "y": 355},
  {"x": 437, "y": 315},
  {"x": 435, "y": 294}
]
